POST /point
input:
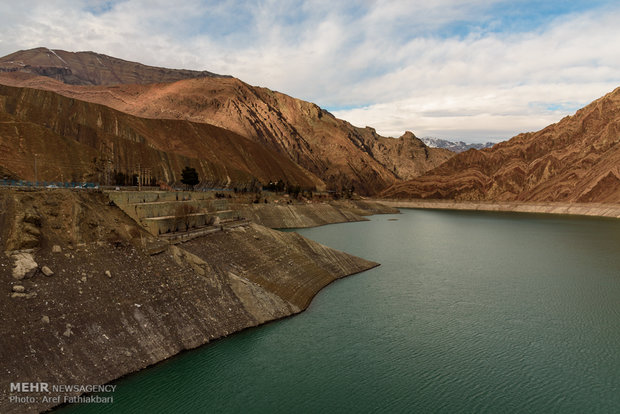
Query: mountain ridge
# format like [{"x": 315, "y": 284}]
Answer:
[
  {"x": 455, "y": 146},
  {"x": 91, "y": 68},
  {"x": 574, "y": 160},
  {"x": 338, "y": 153},
  {"x": 83, "y": 141}
]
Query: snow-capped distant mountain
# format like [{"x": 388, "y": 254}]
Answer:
[{"x": 458, "y": 146}]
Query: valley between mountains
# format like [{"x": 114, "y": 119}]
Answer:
[{"x": 103, "y": 281}]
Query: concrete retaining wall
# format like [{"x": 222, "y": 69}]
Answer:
[
  {"x": 163, "y": 212},
  {"x": 133, "y": 197}
]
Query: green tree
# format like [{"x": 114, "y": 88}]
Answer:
[
  {"x": 189, "y": 177},
  {"x": 120, "y": 178}
]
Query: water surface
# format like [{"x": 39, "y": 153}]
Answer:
[{"x": 469, "y": 312}]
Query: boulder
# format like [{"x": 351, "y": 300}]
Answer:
[
  {"x": 23, "y": 295},
  {"x": 19, "y": 289},
  {"x": 24, "y": 264},
  {"x": 47, "y": 271}
]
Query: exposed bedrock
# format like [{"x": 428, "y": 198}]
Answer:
[
  {"x": 108, "y": 308},
  {"x": 311, "y": 215}
]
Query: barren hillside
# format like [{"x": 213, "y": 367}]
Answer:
[
  {"x": 73, "y": 140},
  {"x": 332, "y": 149},
  {"x": 90, "y": 68},
  {"x": 576, "y": 159}
]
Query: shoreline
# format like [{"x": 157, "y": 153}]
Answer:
[
  {"x": 111, "y": 306},
  {"x": 295, "y": 216},
  {"x": 55, "y": 408},
  {"x": 308, "y": 298},
  {"x": 574, "y": 209}
]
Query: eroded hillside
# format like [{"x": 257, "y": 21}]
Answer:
[
  {"x": 89, "y": 296},
  {"x": 73, "y": 140},
  {"x": 89, "y": 68},
  {"x": 574, "y": 160},
  {"x": 340, "y": 154}
]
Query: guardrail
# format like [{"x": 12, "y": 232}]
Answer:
[
  {"x": 96, "y": 186},
  {"x": 47, "y": 184}
]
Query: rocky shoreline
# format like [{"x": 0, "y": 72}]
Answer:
[
  {"x": 578, "y": 209},
  {"x": 290, "y": 216},
  {"x": 96, "y": 301}
]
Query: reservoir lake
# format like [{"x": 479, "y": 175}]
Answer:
[{"x": 469, "y": 312}]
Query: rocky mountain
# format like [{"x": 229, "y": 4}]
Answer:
[
  {"x": 454, "y": 146},
  {"x": 66, "y": 139},
  {"x": 89, "y": 68},
  {"x": 338, "y": 153},
  {"x": 574, "y": 160}
]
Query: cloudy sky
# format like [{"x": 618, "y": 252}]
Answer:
[{"x": 474, "y": 70}]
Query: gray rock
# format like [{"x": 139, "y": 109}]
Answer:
[
  {"x": 23, "y": 295},
  {"x": 47, "y": 271},
  {"x": 83, "y": 279},
  {"x": 19, "y": 288},
  {"x": 108, "y": 274},
  {"x": 45, "y": 319},
  {"x": 24, "y": 264},
  {"x": 56, "y": 249},
  {"x": 67, "y": 331}
]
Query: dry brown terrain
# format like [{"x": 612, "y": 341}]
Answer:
[
  {"x": 89, "y": 68},
  {"x": 574, "y": 160},
  {"x": 80, "y": 141},
  {"x": 310, "y": 215},
  {"x": 94, "y": 301},
  {"x": 332, "y": 149}
]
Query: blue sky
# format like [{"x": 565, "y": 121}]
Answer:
[{"x": 472, "y": 70}]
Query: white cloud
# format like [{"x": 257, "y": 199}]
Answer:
[
  {"x": 497, "y": 85},
  {"x": 395, "y": 62}
]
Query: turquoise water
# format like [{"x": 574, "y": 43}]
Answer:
[{"x": 469, "y": 312}]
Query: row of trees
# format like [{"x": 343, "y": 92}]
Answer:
[
  {"x": 190, "y": 178},
  {"x": 123, "y": 179},
  {"x": 285, "y": 187}
]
